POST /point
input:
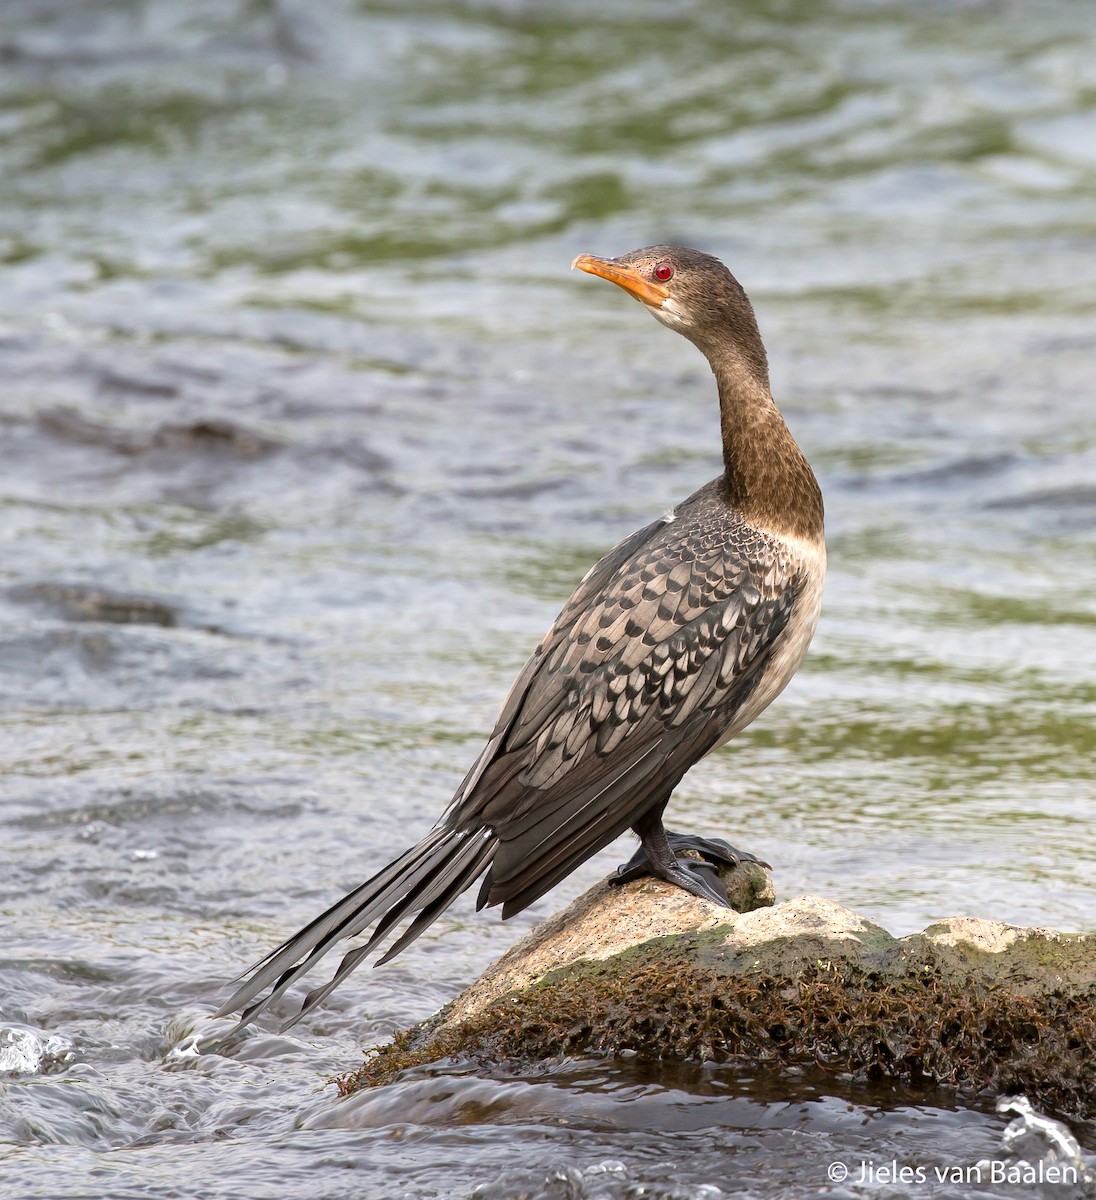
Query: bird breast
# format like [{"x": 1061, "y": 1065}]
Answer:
[{"x": 808, "y": 560}]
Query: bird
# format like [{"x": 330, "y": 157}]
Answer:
[{"x": 670, "y": 645}]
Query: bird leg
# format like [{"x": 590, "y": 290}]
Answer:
[{"x": 658, "y": 856}]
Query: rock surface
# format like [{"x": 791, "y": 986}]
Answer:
[
  {"x": 647, "y": 970},
  {"x": 604, "y": 922}
]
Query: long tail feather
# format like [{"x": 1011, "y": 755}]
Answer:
[
  {"x": 423, "y": 881},
  {"x": 460, "y": 878}
]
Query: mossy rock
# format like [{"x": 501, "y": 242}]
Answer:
[{"x": 646, "y": 970}]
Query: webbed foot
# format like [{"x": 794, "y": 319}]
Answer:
[{"x": 699, "y": 876}]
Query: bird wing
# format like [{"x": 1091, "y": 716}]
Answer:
[
  {"x": 590, "y": 586},
  {"x": 641, "y": 674}
]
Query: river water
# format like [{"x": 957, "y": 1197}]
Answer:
[{"x": 305, "y": 433}]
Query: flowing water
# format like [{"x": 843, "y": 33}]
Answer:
[{"x": 305, "y": 433}]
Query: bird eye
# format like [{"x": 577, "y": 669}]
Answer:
[{"x": 664, "y": 271}]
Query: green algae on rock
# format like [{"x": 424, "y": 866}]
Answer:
[{"x": 647, "y": 970}]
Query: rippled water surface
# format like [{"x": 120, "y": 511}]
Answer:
[{"x": 306, "y": 431}]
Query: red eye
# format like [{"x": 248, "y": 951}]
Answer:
[{"x": 664, "y": 271}]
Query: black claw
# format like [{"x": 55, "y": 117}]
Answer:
[
  {"x": 714, "y": 851},
  {"x": 701, "y": 879},
  {"x": 698, "y": 876}
]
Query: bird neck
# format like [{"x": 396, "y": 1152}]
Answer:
[{"x": 769, "y": 481}]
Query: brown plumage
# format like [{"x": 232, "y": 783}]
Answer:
[{"x": 670, "y": 645}]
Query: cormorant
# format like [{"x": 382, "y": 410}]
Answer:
[{"x": 676, "y": 640}]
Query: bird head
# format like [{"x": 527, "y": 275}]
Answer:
[{"x": 690, "y": 292}]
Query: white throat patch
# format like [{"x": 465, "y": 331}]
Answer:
[{"x": 670, "y": 314}]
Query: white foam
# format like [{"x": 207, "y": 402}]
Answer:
[{"x": 26, "y": 1051}]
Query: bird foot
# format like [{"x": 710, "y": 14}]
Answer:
[{"x": 695, "y": 867}]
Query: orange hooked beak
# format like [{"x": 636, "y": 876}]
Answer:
[{"x": 623, "y": 275}]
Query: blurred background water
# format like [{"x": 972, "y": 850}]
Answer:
[{"x": 306, "y": 431}]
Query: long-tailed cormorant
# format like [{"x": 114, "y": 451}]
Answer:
[{"x": 669, "y": 646}]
